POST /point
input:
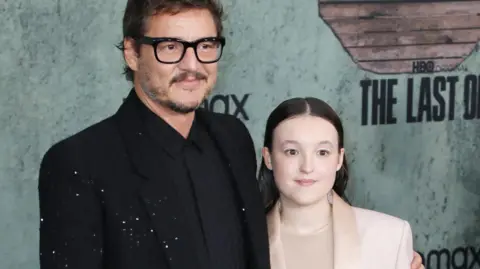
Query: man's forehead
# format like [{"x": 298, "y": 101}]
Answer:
[{"x": 193, "y": 23}]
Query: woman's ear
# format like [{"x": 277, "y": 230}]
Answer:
[
  {"x": 267, "y": 157},
  {"x": 340, "y": 159}
]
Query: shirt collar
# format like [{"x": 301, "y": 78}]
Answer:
[{"x": 166, "y": 136}]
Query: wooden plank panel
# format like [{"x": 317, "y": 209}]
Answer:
[
  {"x": 410, "y": 38},
  {"x": 411, "y": 52},
  {"x": 345, "y": 26},
  {"x": 330, "y": 9},
  {"x": 399, "y": 66}
]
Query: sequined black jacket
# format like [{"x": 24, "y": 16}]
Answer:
[{"x": 99, "y": 198}]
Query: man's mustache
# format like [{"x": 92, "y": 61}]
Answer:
[{"x": 184, "y": 75}]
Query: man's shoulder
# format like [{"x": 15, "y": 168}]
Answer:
[
  {"x": 222, "y": 119},
  {"x": 90, "y": 138}
]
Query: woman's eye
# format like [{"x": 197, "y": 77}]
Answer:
[
  {"x": 291, "y": 152},
  {"x": 323, "y": 152}
]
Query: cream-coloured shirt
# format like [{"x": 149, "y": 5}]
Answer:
[{"x": 312, "y": 251}]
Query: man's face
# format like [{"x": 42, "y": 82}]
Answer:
[{"x": 181, "y": 86}]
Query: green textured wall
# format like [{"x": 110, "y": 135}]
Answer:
[{"x": 60, "y": 72}]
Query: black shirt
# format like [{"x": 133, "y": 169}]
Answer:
[{"x": 205, "y": 184}]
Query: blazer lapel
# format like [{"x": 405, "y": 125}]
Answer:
[
  {"x": 158, "y": 192},
  {"x": 244, "y": 176},
  {"x": 347, "y": 252}
]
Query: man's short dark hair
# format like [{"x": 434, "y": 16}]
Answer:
[{"x": 137, "y": 13}]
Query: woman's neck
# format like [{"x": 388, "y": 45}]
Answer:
[{"x": 301, "y": 219}]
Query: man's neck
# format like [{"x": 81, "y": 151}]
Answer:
[{"x": 178, "y": 121}]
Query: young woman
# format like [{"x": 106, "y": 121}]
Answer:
[{"x": 303, "y": 177}]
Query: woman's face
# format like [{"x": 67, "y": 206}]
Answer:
[{"x": 304, "y": 158}]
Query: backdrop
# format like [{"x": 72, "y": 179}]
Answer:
[{"x": 404, "y": 76}]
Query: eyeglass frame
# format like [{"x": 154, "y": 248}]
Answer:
[{"x": 154, "y": 41}]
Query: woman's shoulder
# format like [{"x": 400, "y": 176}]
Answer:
[
  {"x": 379, "y": 223},
  {"x": 386, "y": 240}
]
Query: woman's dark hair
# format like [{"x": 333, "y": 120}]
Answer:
[
  {"x": 137, "y": 13},
  {"x": 288, "y": 109}
]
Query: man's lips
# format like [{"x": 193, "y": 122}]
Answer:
[
  {"x": 189, "y": 82},
  {"x": 190, "y": 79}
]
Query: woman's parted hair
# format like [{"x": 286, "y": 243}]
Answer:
[{"x": 288, "y": 109}]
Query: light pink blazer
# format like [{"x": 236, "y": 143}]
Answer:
[{"x": 363, "y": 239}]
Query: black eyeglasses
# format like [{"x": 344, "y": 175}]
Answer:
[{"x": 172, "y": 50}]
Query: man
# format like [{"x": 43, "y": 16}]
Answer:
[{"x": 162, "y": 183}]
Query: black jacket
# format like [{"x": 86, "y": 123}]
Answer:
[{"x": 107, "y": 199}]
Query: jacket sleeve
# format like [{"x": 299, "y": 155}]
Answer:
[
  {"x": 70, "y": 212},
  {"x": 405, "y": 250}
]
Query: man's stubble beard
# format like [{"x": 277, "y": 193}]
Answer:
[{"x": 160, "y": 97}]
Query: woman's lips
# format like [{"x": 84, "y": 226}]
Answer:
[{"x": 305, "y": 182}]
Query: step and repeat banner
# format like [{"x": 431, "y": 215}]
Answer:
[
  {"x": 405, "y": 78},
  {"x": 403, "y": 75}
]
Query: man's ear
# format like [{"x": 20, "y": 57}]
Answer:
[{"x": 130, "y": 54}]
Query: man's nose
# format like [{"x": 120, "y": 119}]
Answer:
[{"x": 189, "y": 61}]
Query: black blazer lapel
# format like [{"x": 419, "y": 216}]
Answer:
[
  {"x": 243, "y": 169},
  {"x": 158, "y": 192}
]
